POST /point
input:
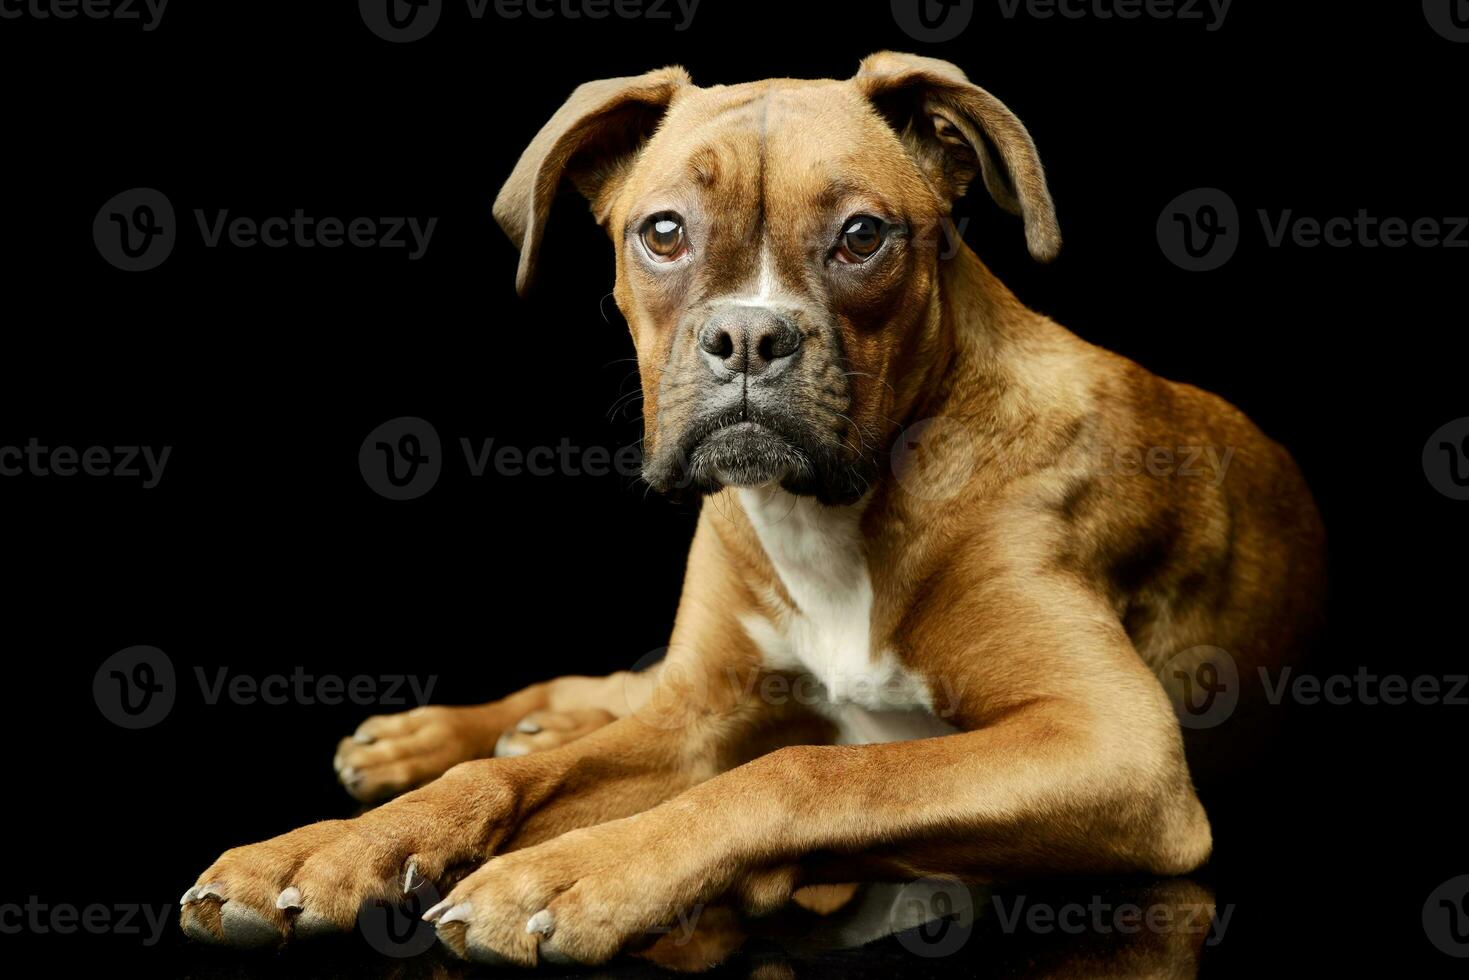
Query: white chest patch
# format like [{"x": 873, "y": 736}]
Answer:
[{"x": 819, "y": 555}]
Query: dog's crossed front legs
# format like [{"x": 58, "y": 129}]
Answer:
[{"x": 1070, "y": 761}]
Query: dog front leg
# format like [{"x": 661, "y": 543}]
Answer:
[
  {"x": 390, "y": 754},
  {"x": 1076, "y": 767},
  {"x": 693, "y": 724},
  {"x": 1030, "y": 795}
]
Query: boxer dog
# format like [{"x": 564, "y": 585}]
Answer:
[{"x": 927, "y": 604}]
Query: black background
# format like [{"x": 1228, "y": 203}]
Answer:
[{"x": 262, "y": 549}]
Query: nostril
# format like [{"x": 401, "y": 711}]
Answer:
[
  {"x": 718, "y": 342},
  {"x": 767, "y": 348},
  {"x": 779, "y": 343}
]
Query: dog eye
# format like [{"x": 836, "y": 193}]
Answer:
[
  {"x": 861, "y": 239},
  {"x": 663, "y": 237}
]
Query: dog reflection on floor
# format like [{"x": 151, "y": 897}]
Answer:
[{"x": 1082, "y": 931}]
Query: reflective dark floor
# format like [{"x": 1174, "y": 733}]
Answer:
[{"x": 921, "y": 929}]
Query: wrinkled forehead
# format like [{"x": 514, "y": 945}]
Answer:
[{"x": 779, "y": 153}]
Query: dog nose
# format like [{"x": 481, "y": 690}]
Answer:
[{"x": 750, "y": 340}]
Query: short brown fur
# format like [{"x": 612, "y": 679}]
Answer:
[{"x": 1045, "y": 589}]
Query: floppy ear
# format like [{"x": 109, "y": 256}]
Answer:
[
  {"x": 590, "y": 141},
  {"x": 957, "y": 131}
]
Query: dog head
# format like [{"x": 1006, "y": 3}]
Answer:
[{"x": 777, "y": 253}]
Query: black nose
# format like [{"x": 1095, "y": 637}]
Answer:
[{"x": 749, "y": 339}]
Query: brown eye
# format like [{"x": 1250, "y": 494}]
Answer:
[
  {"x": 663, "y": 237},
  {"x": 861, "y": 238}
]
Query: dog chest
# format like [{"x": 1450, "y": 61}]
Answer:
[{"x": 826, "y": 636}]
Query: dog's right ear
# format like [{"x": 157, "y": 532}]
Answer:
[{"x": 590, "y": 141}]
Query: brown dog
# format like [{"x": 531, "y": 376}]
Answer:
[{"x": 1006, "y": 580}]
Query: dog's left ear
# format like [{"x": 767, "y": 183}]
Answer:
[
  {"x": 957, "y": 131},
  {"x": 589, "y": 142}
]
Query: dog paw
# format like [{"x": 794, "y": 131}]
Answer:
[
  {"x": 541, "y": 730},
  {"x": 390, "y": 754},
  {"x": 576, "y": 899},
  {"x": 317, "y": 880}
]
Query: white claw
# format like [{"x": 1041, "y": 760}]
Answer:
[
  {"x": 290, "y": 898},
  {"x": 459, "y": 913},
  {"x": 432, "y": 915},
  {"x": 543, "y": 923},
  {"x": 189, "y": 896},
  {"x": 411, "y": 878},
  {"x": 363, "y": 739},
  {"x": 211, "y": 890},
  {"x": 529, "y": 727}
]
